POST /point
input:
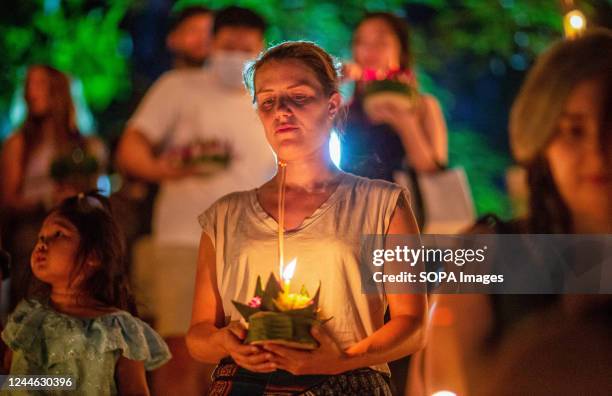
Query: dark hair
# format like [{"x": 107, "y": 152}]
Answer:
[
  {"x": 238, "y": 17},
  {"x": 61, "y": 113},
  {"x": 179, "y": 17},
  {"x": 401, "y": 30},
  {"x": 100, "y": 237},
  {"x": 322, "y": 64},
  {"x": 548, "y": 213}
]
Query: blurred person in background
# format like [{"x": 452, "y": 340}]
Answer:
[
  {"x": 561, "y": 132},
  {"x": 375, "y": 145},
  {"x": 189, "y": 40},
  {"x": 190, "y": 37},
  {"x": 187, "y": 119},
  {"x": 42, "y": 162}
]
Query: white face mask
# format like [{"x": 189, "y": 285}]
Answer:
[{"x": 228, "y": 66}]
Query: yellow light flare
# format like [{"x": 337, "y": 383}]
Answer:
[{"x": 574, "y": 23}]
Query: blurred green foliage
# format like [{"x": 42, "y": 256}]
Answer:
[
  {"x": 73, "y": 36},
  {"x": 485, "y": 168}
]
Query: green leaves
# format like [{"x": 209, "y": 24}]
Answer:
[
  {"x": 86, "y": 43},
  {"x": 268, "y": 300},
  {"x": 271, "y": 292},
  {"x": 269, "y": 322}
]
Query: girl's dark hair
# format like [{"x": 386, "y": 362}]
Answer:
[
  {"x": 100, "y": 238},
  {"x": 322, "y": 64},
  {"x": 401, "y": 30},
  {"x": 61, "y": 113}
]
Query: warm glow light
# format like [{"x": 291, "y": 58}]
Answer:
[
  {"x": 444, "y": 393},
  {"x": 574, "y": 23},
  {"x": 289, "y": 270}
]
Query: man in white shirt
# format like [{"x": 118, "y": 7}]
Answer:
[{"x": 184, "y": 107}]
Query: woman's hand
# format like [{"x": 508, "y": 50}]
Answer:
[
  {"x": 400, "y": 119},
  {"x": 167, "y": 167},
  {"x": 421, "y": 128},
  {"x": 328, "y": 358},
  {"x": 250, "y": 357}
]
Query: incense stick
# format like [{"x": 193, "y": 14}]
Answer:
[{"x": 281, "y": 217}]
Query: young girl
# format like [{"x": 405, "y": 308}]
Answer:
[{"x": 77, "y": 319}]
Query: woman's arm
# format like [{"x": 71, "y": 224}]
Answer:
[
  {"x": 424, "y": 136},
  {"x": 403, "y": 335},
  {"x": 207, "y": 340},
  {"x": 422, "y": 131},
  {"x": 204, "y": 339},
  {"x": 135, "y": 157},
  {"x": 130, "y": 378}
]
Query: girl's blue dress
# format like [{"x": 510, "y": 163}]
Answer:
[{"x": 47, "y": 342}]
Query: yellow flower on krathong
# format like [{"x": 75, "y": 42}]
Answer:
[{"x": 289, "y": 301}]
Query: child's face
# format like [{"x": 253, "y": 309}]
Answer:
[{"x": 55, "y": 253}]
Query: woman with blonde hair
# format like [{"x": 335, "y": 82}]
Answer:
[{"x": 295, "y": 89}]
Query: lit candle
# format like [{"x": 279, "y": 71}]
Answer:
[{"x": 288, "y": 272}]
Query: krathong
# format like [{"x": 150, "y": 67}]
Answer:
[
  {"x": 205, "y": 157},
  {"x": 396, "y": 87},
  {"x": 274, "y": 314}
]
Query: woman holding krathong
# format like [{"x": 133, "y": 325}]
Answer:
[
  {"x": 326, "y": 212},
  {"x": 391, "y": 125}
]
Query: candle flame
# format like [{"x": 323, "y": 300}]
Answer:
[{"x": 289, "y": 270}]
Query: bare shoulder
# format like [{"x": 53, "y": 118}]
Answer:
[{"x": 402, "y": 219}]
